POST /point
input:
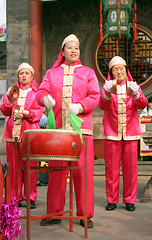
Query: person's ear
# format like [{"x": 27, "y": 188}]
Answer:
[{"x": 63, "y": 53}]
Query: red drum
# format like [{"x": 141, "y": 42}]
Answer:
[{"x": 51, "y": 145}]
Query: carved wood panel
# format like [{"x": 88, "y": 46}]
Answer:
[{"x": 138, "y": 55}]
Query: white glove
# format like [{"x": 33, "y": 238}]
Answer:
[
  {"x": 108, "y": 86},
  {"x": 134, "y": 87},
  {"x": 48, "y": 101},
  {"x": 75, "y": 108}
]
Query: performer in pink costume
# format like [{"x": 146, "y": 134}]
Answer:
[
  {"x": 78, "y": 86},
  {"x": 27, "y": 117},
  {"x": 120, "y": 99}
]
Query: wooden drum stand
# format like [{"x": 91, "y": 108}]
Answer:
[{"x": 29, "y": 153}]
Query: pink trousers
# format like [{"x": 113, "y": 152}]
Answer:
[
  {"x": 115, "y": 153},
  {"x": 10, "y": 151},
  {"x": 57, "y": 184}
]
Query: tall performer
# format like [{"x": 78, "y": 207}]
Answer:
[
  {"x": 68, "y": 81},
  {"x": 120, "y": 99},
  {"x": 22, "y": 113}
]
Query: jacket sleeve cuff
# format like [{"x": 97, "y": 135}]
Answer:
[
  {"x": 136, "y": 96},
  {"x": 107, "y": 96}
]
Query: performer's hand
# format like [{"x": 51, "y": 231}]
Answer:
[
  {"x": 75, "y": 108},
  {"x": 108, "y": 86},
  {"x": 48, "y": 101},
  {"x": 8, "y": 99},
  {"x": 25, "y": 113},
  {"x": 134, "y": 87},
  {"x": 17, "y": 115}
]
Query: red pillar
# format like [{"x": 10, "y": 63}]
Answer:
[{"x": 36, "y": 39}]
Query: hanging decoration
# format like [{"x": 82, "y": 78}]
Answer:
[
  {"x": 101, "y": 37},
  {"x": 135, "y": 21},
  {"x": 116, "y": 17}
]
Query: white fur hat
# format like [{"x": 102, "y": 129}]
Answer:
[
  {"x": 27, "y": 66},
  {"x": 116, "y": 60},
  {"x": 71, "y": 37}
]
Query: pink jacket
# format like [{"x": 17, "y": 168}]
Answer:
[
  {"x": 121, "y": 119},
  {"x": 85, "y": 90},
  {"x": 35, "y": 112}
]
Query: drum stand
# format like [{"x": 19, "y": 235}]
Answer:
[{"x": 30, "y": 218}]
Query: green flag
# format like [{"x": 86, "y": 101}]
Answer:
[
  {"x": 51, "y": 120},
  {"x": 76, "y": 123}
]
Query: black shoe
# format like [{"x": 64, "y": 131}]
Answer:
[
  {"x": 38, "y": 183},
  {"x": 32, "y": 204},
  {"x": 49, "y": 221},
  {"x": 90, "y": 223},
  {"x": 130, "y": 207},
  {"x": 110, "y": 206},
  {"x": 20, "y": 204}
]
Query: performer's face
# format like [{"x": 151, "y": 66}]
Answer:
[
  {"x": 119, "y": 72},
  {"x": 25, "y": 77},
  {"x": 150, "y": 105},
  {"x": 71, "y": 52}
]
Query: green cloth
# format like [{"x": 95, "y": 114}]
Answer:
[
  {"x": 76, "y": 123},
  {"x": 51, "y": 120}
]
